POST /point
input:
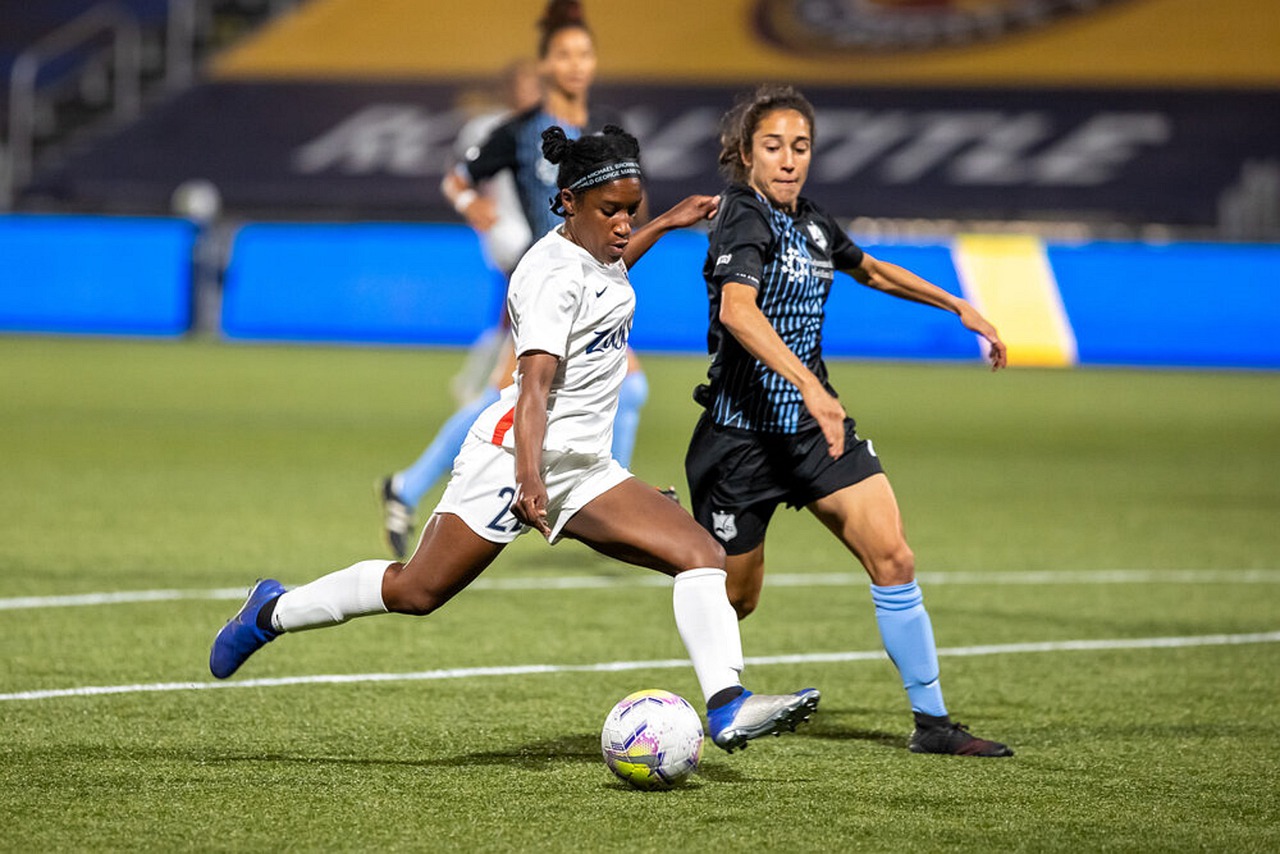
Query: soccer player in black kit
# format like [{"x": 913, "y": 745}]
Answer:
[{"x": 773, "y": 430}]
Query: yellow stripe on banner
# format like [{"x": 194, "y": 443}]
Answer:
[
  {"x": 1008, "y": 278},
  {"x": 1151, "y": 43}
]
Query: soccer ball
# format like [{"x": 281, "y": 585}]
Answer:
[{"x": 652, "y": 739}]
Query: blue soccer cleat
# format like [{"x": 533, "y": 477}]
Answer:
[
  {"x": 241, "y": 637},
  {"x": 750, "y": 716}
]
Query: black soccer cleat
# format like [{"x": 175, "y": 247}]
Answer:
[
  {"x": 941, "y": 735},
  {"x": 397, "y": 519}
]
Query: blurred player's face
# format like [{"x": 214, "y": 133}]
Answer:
[
  {"x": 600, "y": 219},
  {"x": 524, "y": 87},
  {"x": 570, "y": 63},
  {"x": 778, "y": 161}
]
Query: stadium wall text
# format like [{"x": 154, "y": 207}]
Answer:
[
  {"x": 377, "y": 150},
  {"x": 1179, "y": 305}
]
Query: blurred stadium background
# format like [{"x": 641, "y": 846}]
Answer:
[
  {"x": 179, "y": 178},
  {"x": 1103, "y": 177}
]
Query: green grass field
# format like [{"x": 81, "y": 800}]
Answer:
[{"x": 1045, "y": 507}]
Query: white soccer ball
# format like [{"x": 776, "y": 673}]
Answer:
[{"x": 652, "y": 739}]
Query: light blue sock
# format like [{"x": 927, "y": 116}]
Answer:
[
  {"x": 412, "y": 483},
  {"x": 632, "y": 395},
  {"x": 908, "y": 638}
]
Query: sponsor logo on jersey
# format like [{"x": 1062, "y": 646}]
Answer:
[
  {"x": 798, "y": 265},
  {"x": 724, "y": 525},
  {"x": 610, "y": 339},
  {"x": 724, "y": 259},
  {"x": 852, "y": 26}
]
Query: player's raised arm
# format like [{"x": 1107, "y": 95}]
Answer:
[
  {"x": 690, "y": 210},
  {"x": 901, "y": 282}
]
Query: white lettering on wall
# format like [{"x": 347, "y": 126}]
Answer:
[
  {"x": 392, "y": 139},
  {"x": 960, "y": 147}
]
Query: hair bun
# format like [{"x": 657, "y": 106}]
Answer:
[
  {"x": 562, "y": 13},
  {"x": 555, "y": 145},
  {"x": 628, "y": 145}
]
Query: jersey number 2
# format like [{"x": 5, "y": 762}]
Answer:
[{"x": 500, "y": 523}]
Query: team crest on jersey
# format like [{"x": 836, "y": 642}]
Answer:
[
  {"x": 819, "y": 236},
  {"x": 724, "y": 525}
]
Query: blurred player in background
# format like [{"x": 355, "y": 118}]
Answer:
[
  {"x": 773, "y": 430},
  {"x": 567, "y": 66},
  {"x": 540, "y": 456},
  {"x": 504, "y": 235},
  {"x": 508, "y": 236}
]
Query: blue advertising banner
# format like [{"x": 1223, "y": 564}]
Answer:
[
  {"x": 95, "y": 275},
  {"x": 1181, "y": 304},
  {"x": 1188, "y": 304},
  {"x": 1138, "y": 304},
  {"x": 379, "y": 150},
  {"x": 383, "y": 283}
]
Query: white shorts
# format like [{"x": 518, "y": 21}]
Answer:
[{"x": 484, "y": 483}]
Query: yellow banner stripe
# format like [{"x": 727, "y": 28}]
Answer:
[
  {"x": 1158, "y": 43},
  {"x": 1008, "y": 278}
]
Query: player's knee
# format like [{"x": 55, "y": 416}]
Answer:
[
  {"x": 413, "y": 600},
  {"x": 705, "y": 552},
  {"x": 418, "y": 604},
  {"x": 896, "y": 565}
]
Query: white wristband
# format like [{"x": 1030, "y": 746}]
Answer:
[{"x": 464, "y": 200}]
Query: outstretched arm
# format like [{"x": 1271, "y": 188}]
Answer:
[
  {"x": 537, "y": 370},
  {"x": 901, "y": 282},
  {"x": 688, "y": 211}
]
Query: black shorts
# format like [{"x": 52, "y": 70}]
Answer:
[{"x": 737, "y": 478}]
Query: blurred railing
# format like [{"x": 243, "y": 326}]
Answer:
[
  {"x": 111, "y": 41},
  {"x": 181, "y": 30},
  {"x": 107, "y": 20}
]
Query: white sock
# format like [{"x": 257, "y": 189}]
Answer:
[
  {"x": 332, "y": 599},
  {"x": 708, "y": 625}
]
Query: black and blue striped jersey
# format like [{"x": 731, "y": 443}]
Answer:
[
  {"x": 790, "y": 259},
  {"x": 516, "y": 144}
]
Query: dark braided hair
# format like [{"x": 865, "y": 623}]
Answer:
[
  {"x": 739, "y": 124},
  {"x": 560, "y": 15},
  {"x": 581, "y": 158}
]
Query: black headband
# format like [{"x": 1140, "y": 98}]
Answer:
[{"x": 605, "y": 174}]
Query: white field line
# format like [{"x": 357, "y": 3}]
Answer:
[
  {"x": 664, "y": 664},
  {"x": 643, "y": 579}
]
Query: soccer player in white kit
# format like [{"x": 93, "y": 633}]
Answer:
[{"x": 540, "y": 459}]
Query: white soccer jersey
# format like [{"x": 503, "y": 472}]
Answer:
[{"x": 564, "y": 302}]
